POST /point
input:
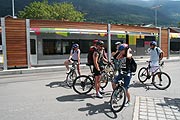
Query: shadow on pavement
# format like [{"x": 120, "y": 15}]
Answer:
[
  {"x": 74, "y": 98},
  {"x": 173, "y": 103},
  {"x": 101, "y": 108},
  {"x": 56, "y": 84},
  {"x": 147, "y": 86}
]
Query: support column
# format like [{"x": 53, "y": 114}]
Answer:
[
  {"x": 109, "y": 41},
  {"x": 28, "y": 42},
  {"x": 3, "y": 34},
  {"x": 168, "y": 54},
  {"x": 160, "y": 37},
  {"x": 127, "y": 38}
]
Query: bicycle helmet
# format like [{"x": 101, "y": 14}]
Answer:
[
  {"x": 75, "y": 46},
  {"x": 153, "y": 43},
  {"x": 117, "y": 43},
  {"x": 100, "y": 42},
  {"x": 95, "y": 41},
  {"x": 122, "y": 47}
]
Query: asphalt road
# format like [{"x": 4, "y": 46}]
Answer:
[{"x": 44, "y": 96}]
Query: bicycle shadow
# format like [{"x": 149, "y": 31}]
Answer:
[
  {"x": 173, "y": 103},
  {"x": 57, "y": 84},
  {"x": 146, "y": 86},
  {"x": 74, "y": 98},
  {"x": 96, "y": 109}
]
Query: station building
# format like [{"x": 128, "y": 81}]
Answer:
[{"x": 27, "y": 43}]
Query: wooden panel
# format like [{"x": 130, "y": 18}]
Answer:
[
  {"x": 16, "y": 42},
  {"x": 164, "y": 42},
  {"x": 87, "y": 25},
  {"x": 63, "y": 24},
  {"x": 134, "y": 28}
]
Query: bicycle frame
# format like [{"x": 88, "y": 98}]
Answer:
[{"x": 156, "y": 70}]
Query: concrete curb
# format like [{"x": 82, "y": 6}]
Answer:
[{"x": 62, "y": 68}]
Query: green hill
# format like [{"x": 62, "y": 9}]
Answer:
[{"x": 111, "y": 11}]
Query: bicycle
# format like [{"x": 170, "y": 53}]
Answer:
[
  {"x": 71, "y": 75},
  {"x": 118, "y": 97},
  {"x": 160, "y": 80},
  {"x": 83, "y": 84}
]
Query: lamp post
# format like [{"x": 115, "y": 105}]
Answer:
[
  {"x": 13, "y": 8},
  {"x": 156, "y": 14}
]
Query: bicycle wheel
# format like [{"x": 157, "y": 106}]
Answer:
[
  {"x": 118, "y": 99},
  {"x": 82, "y": 84},
  {"x": 104, "y": 80},
  {"x": 143, "y": 74},
  {"x": 70, "y": 78},
  {"x": 161, "y": 80}
]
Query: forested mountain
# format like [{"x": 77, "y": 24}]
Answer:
[{"x": 114, "y": 11}]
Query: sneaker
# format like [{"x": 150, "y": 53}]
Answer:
[
  {"x": 127, "y": 104},
  {"x": 98, "y": 95},
  {"x": 101, "y": 92}
]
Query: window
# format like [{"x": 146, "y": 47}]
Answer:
[
  {"x": 33, "y": 46},
  {"x": 51, "y": 47},
  {"x": 140, "y": 43},
  {"x": 150, "y": 38}
]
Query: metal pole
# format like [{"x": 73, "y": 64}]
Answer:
[
  {"x": 168, "y": 53},
  {"x": 3, "y": 34},
  {"x": 155, "y": 16},
  {"x": 127, "y": 38},
  {"x": 109, "y": 41},
  {"x": 28, "y": 41},
  {"x": 13, "y": 8},
  {"x": 160, "y": 37}
]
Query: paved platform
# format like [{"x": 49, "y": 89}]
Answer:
[
  {"x": 61, "y": 67},
  {"x": 148, "y": 108}
]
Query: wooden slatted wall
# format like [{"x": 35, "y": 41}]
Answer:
[
  {"x": 64, "y": 24},
  {"x": 86, "y": 25},
  {"x": 16, "y": 42},
  {"x": 134, "y": 28},
  {"x": 164, "y": 41}
]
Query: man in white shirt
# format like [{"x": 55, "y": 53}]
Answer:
[
  {"x": 156, "y": 55},
  {"x": 74, "y": 57}
]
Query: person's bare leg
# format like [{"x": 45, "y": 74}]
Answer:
[
  {"x": 78, "y": 69},
  {"x": 128, "y": 95},
  {"x": 113, "y": 85},
  {"x": 97, "y": 83},
  {"x": 66, "y": 63}
]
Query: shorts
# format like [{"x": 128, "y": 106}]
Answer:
[
  {"x": 126, "y": 80},
  {"x": 154, "y": 68},
  {"x": 74, "y": 60},
  {"x": 96, "y": 72}
]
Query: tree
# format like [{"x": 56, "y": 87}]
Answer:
[
  {"x": 179, "y": 25},
  {"x": 66, "y": 11},
  {"x": 58, "y": 11}
]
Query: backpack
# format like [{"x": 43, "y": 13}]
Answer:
[
  {"x": 90, "y": 56},
  {"x": 158, "y": 52},
  {"x": 133, "y": 65}
]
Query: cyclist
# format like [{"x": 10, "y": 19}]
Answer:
[
  {"x": 156, "y": 55},
  {"x": 74, "y": 57},
  {"x": 124, "y": 56},
  {"x": 116, "y": 61},
  {"x": 98, "y": 58}
]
